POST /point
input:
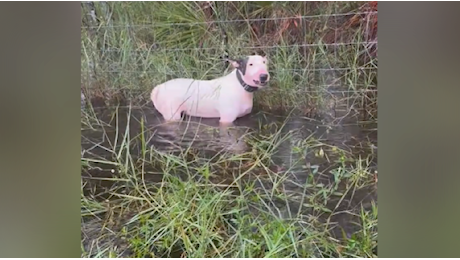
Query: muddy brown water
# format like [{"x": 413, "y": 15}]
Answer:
[{"x": 208, "y": 139}]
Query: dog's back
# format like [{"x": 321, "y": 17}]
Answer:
[{"x": 195, "y": 97}]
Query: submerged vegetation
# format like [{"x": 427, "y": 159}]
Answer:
[{"x": 291, "y": 186}]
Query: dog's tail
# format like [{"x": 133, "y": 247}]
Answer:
[{"x": 154, "y": 97}]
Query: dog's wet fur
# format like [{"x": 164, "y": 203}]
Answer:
[{"x": 227, "y": 97}]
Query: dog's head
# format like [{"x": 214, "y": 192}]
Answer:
[{"x": 253, "y": 69}]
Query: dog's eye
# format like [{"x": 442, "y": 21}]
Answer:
[
  {"x": 250, "y": 64},
  {"x": 264, "y": 62}
]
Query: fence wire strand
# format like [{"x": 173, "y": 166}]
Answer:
[
  {"x": 300, "y": 17},
  {"x": 250, "y": 47},
  {"x": 277, "y": 69}
]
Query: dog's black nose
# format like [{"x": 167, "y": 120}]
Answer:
[{"x": 263, "y": 77}]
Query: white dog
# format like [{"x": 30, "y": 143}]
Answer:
[{"x": 227, "y": 98}]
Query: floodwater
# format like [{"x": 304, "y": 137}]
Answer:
[{"x": 208, "y": 139}]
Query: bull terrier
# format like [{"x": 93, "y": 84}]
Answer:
[{"x": 227, "y": 98}]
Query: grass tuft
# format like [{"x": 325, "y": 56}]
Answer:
[{"x": 285, "y": 194}]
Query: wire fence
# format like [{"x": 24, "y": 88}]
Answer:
[
  {"x": 254, "y": 47},
  {"x": 320, "y": 55},
  {"x": 300, "y": 17}
]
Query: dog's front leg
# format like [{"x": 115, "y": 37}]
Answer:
[
  {"x": 225, "y": 125},
  {"x": 227, "y": 118}
]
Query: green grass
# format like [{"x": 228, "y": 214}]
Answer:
[
  {"x": 244, "y": 204},
  {"x": 140, "y": 201},
  {"x": 138, "y": 45}
]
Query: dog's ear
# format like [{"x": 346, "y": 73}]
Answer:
[
  {"x": 239, "y": 64},
  {"x": 235, "y": 63},
  {"x": 265, "y": 57}
]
